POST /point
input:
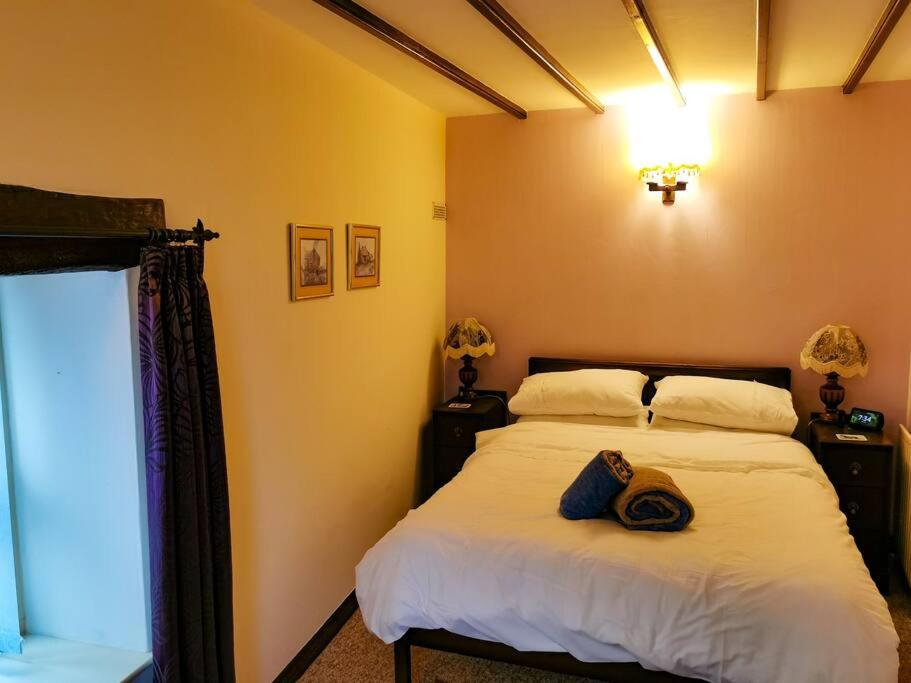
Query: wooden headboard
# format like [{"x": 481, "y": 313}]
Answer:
[{"x": 777, "y": 377}]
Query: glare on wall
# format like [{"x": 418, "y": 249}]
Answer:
[{"x": 659, "y": 131}]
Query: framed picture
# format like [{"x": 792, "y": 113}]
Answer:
[
  {"x": 311, "y": 261},
  {"x": 363, "y": 256}
]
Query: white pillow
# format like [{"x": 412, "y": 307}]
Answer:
[
  {"x": 725, "y": 403},
  {"x": 639, "y": 421},
  {"x": 615, "y": 393}
]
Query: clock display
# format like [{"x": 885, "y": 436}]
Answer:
[{"x": 866, "y": 420}]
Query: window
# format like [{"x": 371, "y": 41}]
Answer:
[
  {"x": 10, "y": 616},
  {"x": 76, "y": 515}
]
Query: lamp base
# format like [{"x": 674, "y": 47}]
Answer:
[
  {"x": 468, "y": 375},
  {"x": 831, "y": 394}
]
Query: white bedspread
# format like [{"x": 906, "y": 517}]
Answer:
[{"x": 766, "y": 584}]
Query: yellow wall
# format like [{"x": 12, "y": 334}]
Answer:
[{"x": 230, "y": 115}]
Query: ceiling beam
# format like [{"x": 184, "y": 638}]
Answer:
[
  {"x": 890, "y": 16},
  {"x": 365, "y": 19},
  {"x": 763, "y": 8},
  {"x": 646, "y": 30},
  {"x": 497, "y": 15}
]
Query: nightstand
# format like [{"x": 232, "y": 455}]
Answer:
[
  {"x": 454, "y": 430},
  {"x": 861, "y": 472}
]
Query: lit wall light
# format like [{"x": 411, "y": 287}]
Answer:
[
  {"x": 668, "y": 179},
  {"x": 668, "y": 145}
]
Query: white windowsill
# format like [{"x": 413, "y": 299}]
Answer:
[{"x": 51, "y": 660}]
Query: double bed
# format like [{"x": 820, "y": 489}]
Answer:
[{"x": 765, "y": 585}]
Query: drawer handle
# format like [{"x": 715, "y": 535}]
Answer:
[
  {"x": 854, "y": 468},
  {"x": 458, "y": 432},
  {"x": 853, "y": 508}
]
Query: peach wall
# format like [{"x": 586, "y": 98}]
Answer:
[
  {"x": 800, "y": 219},
  {"x": 228, "y": 114}
]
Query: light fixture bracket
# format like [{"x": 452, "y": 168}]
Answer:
[{"x": 669, "y": 190}]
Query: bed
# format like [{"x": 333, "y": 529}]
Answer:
[{"x": 766, "y": 585}]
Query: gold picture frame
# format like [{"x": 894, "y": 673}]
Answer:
[
  {"x": 363, "y": 256},
  {"x": 312, "y": 269}
]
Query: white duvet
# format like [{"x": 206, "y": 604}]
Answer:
[{"x": 766, "y": 584}]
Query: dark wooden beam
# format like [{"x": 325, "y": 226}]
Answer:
[
  {"x": 646, "y": 30},
  {"x": 48, "y": 249},
  {"x": 497, "y": 15},
  {"x": 365, "y": 19},
  {"x": 890, "y": 16},
  {"x": 763, "y": 9}
]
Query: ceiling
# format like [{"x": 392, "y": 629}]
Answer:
[{"x": 709, "y": 43}]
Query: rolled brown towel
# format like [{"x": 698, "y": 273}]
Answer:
[{"x": 652, "y": 502}]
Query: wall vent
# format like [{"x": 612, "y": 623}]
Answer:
[{"x": 439, "y": 211}]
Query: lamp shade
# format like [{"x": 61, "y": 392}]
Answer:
[
  {"x": 835, "y": 348},
  {"x": 468, "y": 337},
  {"x": 670, "y": 173}
]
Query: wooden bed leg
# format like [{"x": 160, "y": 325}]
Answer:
[{"x": 402, "y": 660}]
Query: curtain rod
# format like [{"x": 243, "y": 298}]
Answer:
[{"x": 199, "y": 234}]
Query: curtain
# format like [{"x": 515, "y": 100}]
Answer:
[{"x": 186, "y": 478}]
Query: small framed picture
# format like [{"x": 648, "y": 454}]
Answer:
[
  {"x": 363, "y": 256},
  {"x": 311, "y": 261}
]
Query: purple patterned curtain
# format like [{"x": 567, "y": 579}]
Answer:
[{"x": 189, "y": 528}]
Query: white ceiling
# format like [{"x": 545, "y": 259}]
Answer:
[{"x": 709, "y": 42}]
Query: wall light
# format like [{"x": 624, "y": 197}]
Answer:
[
  {"x": 668, "y": 145},
  {"x": 668, "y": 179}
]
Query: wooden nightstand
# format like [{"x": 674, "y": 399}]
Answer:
[
  {"x": 454, "y": 430},
  {"x": 861, "y": 472}
]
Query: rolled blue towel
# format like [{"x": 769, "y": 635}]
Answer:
[{"x": 590, "y": 495}]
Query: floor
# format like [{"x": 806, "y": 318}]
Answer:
[{"x": 356, "y": 656}]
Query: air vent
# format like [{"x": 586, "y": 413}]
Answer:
[{"x": 439, "y": 211}]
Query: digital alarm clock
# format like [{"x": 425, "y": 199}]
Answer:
[{"x": 866, "y": 420}]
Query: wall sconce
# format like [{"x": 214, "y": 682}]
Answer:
[{"x": 669, "y": 176}]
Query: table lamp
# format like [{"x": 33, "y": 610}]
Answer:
[
  {"x": 834, "y": 350},
  {"x": 468, "y": 339}
]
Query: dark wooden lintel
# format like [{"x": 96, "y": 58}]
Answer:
[{"x": 26, "y": 207}]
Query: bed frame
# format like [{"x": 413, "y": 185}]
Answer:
[
  {"x": 562, "y": 662},
  {"x": 777, "y": 377}
]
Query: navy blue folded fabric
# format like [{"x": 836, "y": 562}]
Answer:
[{"x": 590, "y": 495}]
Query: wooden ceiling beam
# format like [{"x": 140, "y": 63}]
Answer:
[
  {"x": 365, "y": 19},
  {"x": 497, "y": 15},
  {"x": 646, "y": 30},
  {"x": 890, "y": 16},
  {"x": 763, "y": 10}
]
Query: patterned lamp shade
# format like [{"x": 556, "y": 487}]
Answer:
[
  {"x": 835, "y": 348},
  {"x": 468, "y": 337}
]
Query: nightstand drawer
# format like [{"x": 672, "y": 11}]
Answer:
[
  {"x": 863, "y": 506},
  {"x": 861, "y": 472},
  {"x": 447, "y": 463},
  {"x": 874, "y": 549},
  {"x": 455, "y": 431},
  {"x": 856, "y": 467}
]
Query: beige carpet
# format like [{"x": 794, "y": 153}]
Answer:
[{"x": 356, "y": 656}]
